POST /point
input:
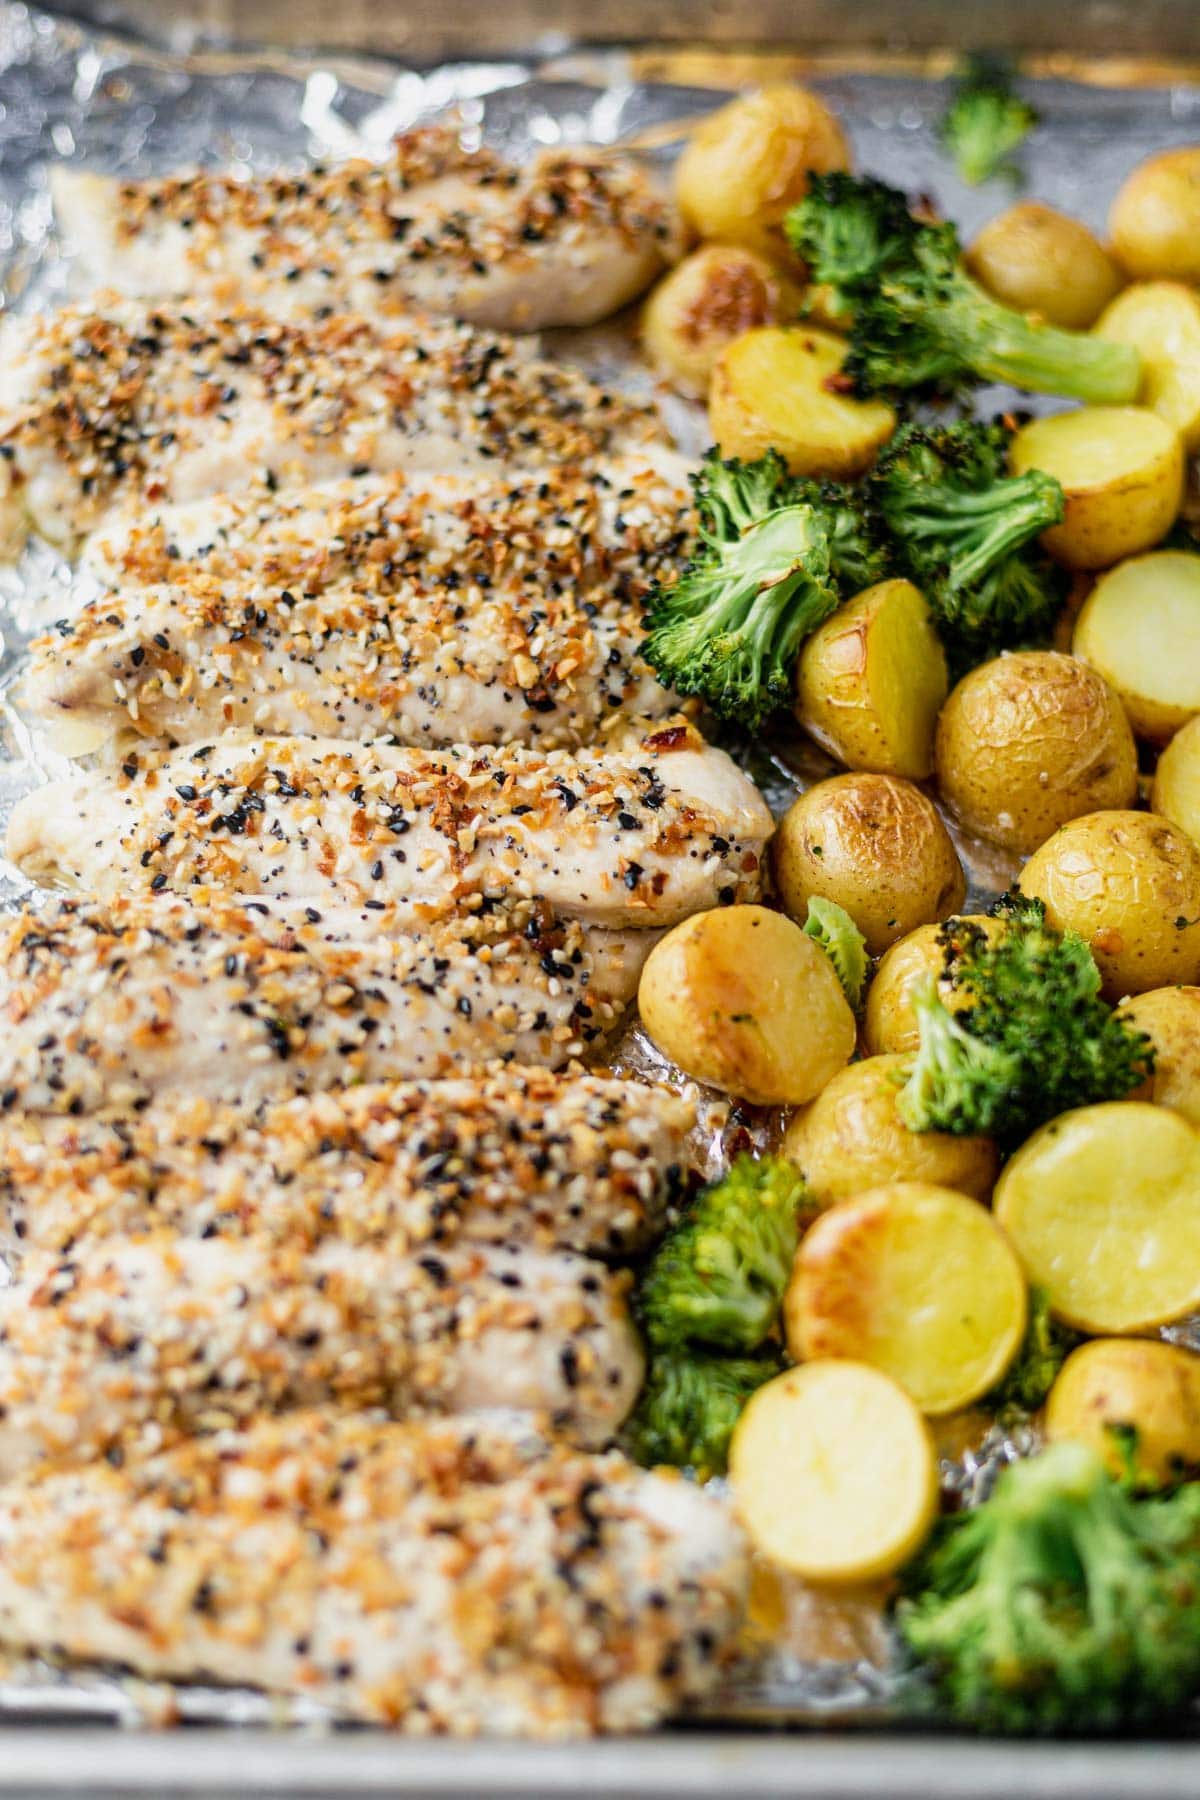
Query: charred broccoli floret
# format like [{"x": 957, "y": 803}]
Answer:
[
  {"x": 1064, "y": 1602},
  {"x": 965, "y": 532},
  {"x": 986, "y": 120},
  {"x": 921, "y": 325},
  {"x": 689, "y": 1407},
  {"x": 831, "y": 926},
  {"x": 1032, "y": 1038},
  {"x": 1044, "y": 1350}
]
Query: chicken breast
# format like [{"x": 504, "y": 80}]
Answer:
[
  {"x": 193, "y": 1335},
  {"x": 640, "y": 837},
  {"x": 565, "y": 241},
  {"x": 105, "y": 1007},
  {"x": 577, "y": 1162},
  {"x": 458, "y": 1575},
  {"x": 118, "y": 402},
  {"x": 438, "y": 610}
]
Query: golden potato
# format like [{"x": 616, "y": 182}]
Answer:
[
  {"x": 1129, "y": 884},
  {"x": 1121, "y": 469},
  {"x": 707, "y": 300},
  {"x": 851, "y": 1138},
  {"x": 1176, "y": 791},
  {"x": 1037, "y": 260},
  {"x": 834, "y": 1473},
  {"x": 1161, "y": 319},
  {"x": 1130, "y": 1383},
  {"x": 746, "y": 164},
  {"x": 775, "y": 389},
  {"x": 1154, "y": 223},
  {"x": 745, "y": 1000},
  {"x": 916, "y": 1280},
  {"x": 876, "y": 846},
  {"x": 1029, "y": 740},
  {"x": 1170, "y": 1018},
  {"x": 889, "y": 1021},
  {"x": 1103, "y": 1208},
  {"x": 871, "y": 679},
  {"x": 1140, "y": 627}
]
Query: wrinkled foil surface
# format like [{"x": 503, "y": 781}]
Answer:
[{"x": 120, "y": 107}]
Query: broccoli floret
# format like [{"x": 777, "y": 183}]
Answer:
[
  {"x": 1032, "y": 1039},
  {"x": 964, "y": 531},
  {"x": 843, "y": 943},
  {"x": 859, "y": 556},
  {"x": 1064, "y": 1602},
  {"x": 986, "y": 120},
  {"x": 921, "y": 325},
  {"x": 1044, "y": 1350},
  {"x": 718, "y": 1278},
  {"x": 689, "y": 1407}
]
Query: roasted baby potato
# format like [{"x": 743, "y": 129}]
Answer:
[
  {"x": 1128, "y": 1384},
  {"x": 871, "y": 679},
  {"x": 1037, "y": 260},
  {"x": 747, "y": 163},
  {"x": 1170, "y": 1018},
  {"x": 889, "y": 1021},
  {"x": 851, "y": 1138},
  {"x": 1029, "y": 740},
  {"x": 1129, "y": 884},
  {"x": 1140, "y": 627},
  {"x": 745, "y": 1000},
  {"x": 1121, "y": 469},
  {"x": 834, "y": 1473},
  {"x": 876, "y": 846},
  {"x": 1154, "y": 223},
  {"x": 710, "y": 298},
  {"x": 917, "y": 1281},
  {"x": 1176, "y": 791},
  {"x": 1103, "y": 1207},
  {"x": 1161, "y": 319},
  {"x": 773, "y": 389}
]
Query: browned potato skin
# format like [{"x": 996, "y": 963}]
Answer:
[
  {"x": 876, "y": 846},
  {"x": 889, "y": 1021},
  {"x": 746, "y": 164},
  {"x": 1029, "y": 740},
  {"x": 1129, "y": 884},
  {"x": 1170, "y": 1018},
  {"x": 710, "y": 298},
  {"x": 851, "y": 1138},
  {"x": 776, "y": 388},
  {"x": 1037, "y": 260},
  {"x": 1151, "y": 1386},
  {"x": 1155, "y": 219}
]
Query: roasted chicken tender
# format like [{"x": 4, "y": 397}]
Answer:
[{"x": 461, "y": 1575}]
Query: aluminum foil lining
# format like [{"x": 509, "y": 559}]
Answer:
[{"x": 118, "y": 106}]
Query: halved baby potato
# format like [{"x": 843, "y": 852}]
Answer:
[
  {"x": 778, "y": 388},
  {"x": 1103, "y": 1208},
  {"x": 1170, "y": 1018},
  {"x": 1140, "y": 629},
  {"x": 1037, "y": 260},
  {"x": 916, "y": 1280},
  {"x": 871, "y": 680},
  {"x": 1176, "y": 791},
  {"x": 1115, "y": 1385},
  {"x": 1155, "y": 219},
  {"x": 707, "y": 300},
  {"x": 889, "y": 1018},
  {"x": 1121, "y": 470},
  {"x": 1161, "y": 319},
  {"x": 834, "y": 1473}
]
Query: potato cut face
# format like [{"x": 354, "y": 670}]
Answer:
[
  {"x": 919, "y": 1282},
  {"x": 1103, "y": 1207},
  {"x": 1140, "y": 629},
  {"x": 1170, "y": 1017},
  {"x": 1161, "y": 319},
  {"x": 1176, "y": 792},
  {"x": 834, "y": 1472},
  {"x": 1121, "y": 470},
  {"x": 771, "y": 389}
]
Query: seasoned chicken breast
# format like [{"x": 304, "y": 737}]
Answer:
[
  {"x": 439, "y": 610},
  {"x": 103, "y": 1008},
  {"x": 112, "y": 402},
  {"x": 565, "y": 241},
  {"x": 456, "y": 1575},
  {"x": 129, "y": 1333},
  {"x": 579, "y": 1162},
  {"x": 644, "y": 836}
]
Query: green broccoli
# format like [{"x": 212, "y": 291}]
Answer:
[
  {"x": 1045, "y": 1349},
  {"x": 964, "y": 531},
  {"x": 689, "y": 1407},
  {"x": 718, "y": 1278},
  {"x": 831, "y": 926},
  {"x": 921, "y": 325},
  {"x": 1064, "y": 1602},
  {"x": 1032, "y": 1040},
  {"x": 986, "y": 120}
]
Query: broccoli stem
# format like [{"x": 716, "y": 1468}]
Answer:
[
  {"x": 1006, "y": 346},
  {"x": 981, "y": 529}
]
